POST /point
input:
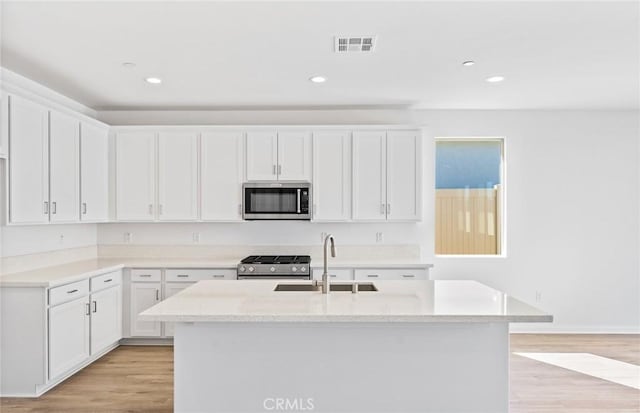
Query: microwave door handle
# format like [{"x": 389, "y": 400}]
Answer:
[{"x": 298, "y": 191}]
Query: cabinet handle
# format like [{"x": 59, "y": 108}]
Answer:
[
  {"x": 160, "y": 209},
  {"x": 72, "y": 291},
  {"x": 279, "y": 169},
  {"x": 95, "y": 306},
  {"x": 183, "y": 275},
  {"x": 408, "y": 275},
  {"x": 54, "y": 209},
  {"x": 84, "y": 208},
  {"x": 218, "y": 275},
  {"x": 274, "y": 170},
  {"x": 150, "y": 209},
  {"x": 144, "y": 275},
  {"x": 108, "y": 281},
  {"x": 46, "y": 207},
  {"x": 388, "y": 209},
  {"x": 372, "y": 275},
  {"x": 157, "y": 295},
  {"x": 88, "y": 309},
  {"x": 332, "y": 275},
  {"x": 382, "y": 209}
]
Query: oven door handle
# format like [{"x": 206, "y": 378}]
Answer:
[{"x": 298, "y": 191}]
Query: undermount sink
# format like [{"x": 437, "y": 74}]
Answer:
[{"x": 362, "y": 287}]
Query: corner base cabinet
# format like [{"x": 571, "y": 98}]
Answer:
[{"x": 56, "y": 331}]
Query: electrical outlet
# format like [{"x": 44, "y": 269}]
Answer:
[
  {"x": 379, "y": 237},
  {"x": 538, "y": 296},
  {"x": 61, "y": 238},
  {"x": 196, "y": 237},
  {"x": 127, "y": 237}
]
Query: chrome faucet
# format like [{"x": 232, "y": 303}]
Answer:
[{"x": 326, "y": 284}]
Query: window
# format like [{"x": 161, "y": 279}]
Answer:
[{"x": 469, "y": 194}]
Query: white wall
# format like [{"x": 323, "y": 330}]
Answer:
[
  {"x": 31, "y": 239},
  {"x": 573, "y": 227}
]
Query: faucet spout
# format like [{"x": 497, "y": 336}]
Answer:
[{"x": 326, "y": 283}]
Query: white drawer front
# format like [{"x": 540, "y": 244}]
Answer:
[
  {"x": 68, "y": 292},
  {"x": 146, "y": 275},
  {"x": 107, "y": 280},
  {"x": 391, "y": 274},
  {"x": 335, "y": 274},
  {"x": 200, "y": 274}
]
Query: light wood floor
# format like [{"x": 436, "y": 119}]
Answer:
[{"x": 140, "y": 379}]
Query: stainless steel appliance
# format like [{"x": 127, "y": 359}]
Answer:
[
  {"x": 269, "y": 267},
  {"x": 277, "y": 200}
]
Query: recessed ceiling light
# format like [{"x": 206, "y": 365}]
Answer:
[
  {"x": 154, "y": 80},
  {"x": 129, "y": 65},
  {"x": 318, "y": 79},
  {"x": 468, "y": 63},
  {"x": 495, "y": 79}
]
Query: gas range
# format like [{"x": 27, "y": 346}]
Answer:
[{"x": 275, "y": 267}]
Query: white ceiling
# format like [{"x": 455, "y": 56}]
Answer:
[{"x": 554, "y": 55}]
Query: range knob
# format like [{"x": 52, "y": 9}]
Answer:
[
  {"x": 251, "y": 269},
  {"x": 303, "y": 269},
  {"x": 243, "y": 269},
  {"x": 272, "y": 269},
  {"x": 294, "y": 268}
]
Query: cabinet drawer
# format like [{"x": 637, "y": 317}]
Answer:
[
  {"x": 68, "y": 292},
  {"x": 391, "y": 274},
  {"x": 335, "y": 274},
  {"x": 191, "y": 274},
  {"x": 146, "y": 275},
  {"x": 107, "y": 280}
]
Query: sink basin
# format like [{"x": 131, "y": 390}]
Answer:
[{"x": 362, "y": 287}]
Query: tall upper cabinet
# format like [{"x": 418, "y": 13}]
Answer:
[
  {"x": 331, "y": 176},
  {"x": 94, "y": 173},
  {"x": 156, "y": 176},
  {"x": 28, "y": 162},
  {"x": 386, "y": 175},
  {"x": 284, "y": 156},
  {"x": 64, "y": 167}
]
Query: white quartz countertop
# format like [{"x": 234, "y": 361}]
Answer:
[
  {"x": 52, "y": 276},
  {"x": 395, "y": 301}
]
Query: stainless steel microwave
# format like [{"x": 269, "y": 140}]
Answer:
[{"x": 276, "y": 200}]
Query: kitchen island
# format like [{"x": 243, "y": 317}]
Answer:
[{"x": 410, "y": 346}]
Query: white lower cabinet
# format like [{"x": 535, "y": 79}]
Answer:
[
  {"x": 106, "y": 318},
  {"x": 143, "y": 296},
  {"x": 68, "y": 336},
  {"x": 373, "y": 274}
]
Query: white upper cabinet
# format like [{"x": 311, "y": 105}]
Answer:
[
  {"x": 294, "y": 156},
  {"x": 221, "y": 160},
  {"x": 135, "y": 176},
  {"x": 177, "y": 176},
  {"x": 94, "y": 173},
  {"x": 369, "y": 176},
  {"x": 64, "y": 142},
  {"x": 4, "y": 124},
  {"x": 28, "y": 162},
  {"x": 331, "y": 176},
  {"x": 262, "y": 156},
  {"x": 403, "y": 171}
]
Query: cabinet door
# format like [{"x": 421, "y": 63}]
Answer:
[
  {"x": 403, "y": 175},
  {"x": 262, "y": 156},
  {"x": 221, "y": 163},
  {"x": 94, "y": 173},
  {"x": 369, "y": 176},
  {"x": 64, "y": 169},
  {"x": 331, "y": 176},
  {"x": 143, "y": 296},
  {"x": 28, "y": 162},
  {"x": 135, "y": 176},
  {"x": 68, "y": 336},
  {"x": 178, "y": 177},
  {"x": 106, "y": 318},
  {"x": 171, "y": 289},
  {"x": 294, "y": 156}
]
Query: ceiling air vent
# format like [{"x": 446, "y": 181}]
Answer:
[{"x": 348, "y": 44}]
